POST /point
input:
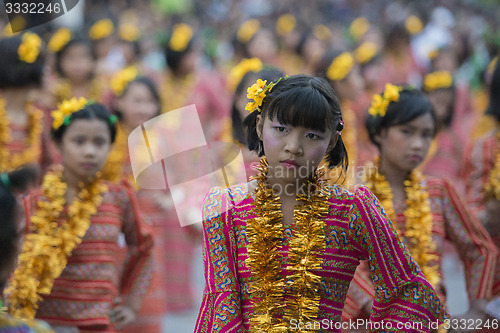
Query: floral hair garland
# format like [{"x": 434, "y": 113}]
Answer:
[
  {"x": 246, "y": 65},
  {"x": 59, "y": 39},
  {"x": 340, "y": 66},
  {"x": 181, "y": 36},
  {"x": 101, "y": 29},
  {"x": 257, "y": 92},
  {"x": 121, "y": 79},
  {"x": 365, "y": 52},
  {"x": 285, "y": 24},
  {"x": 129, "y": 32},
  {"x": 62, "y": 116},
  {"x": 437, "y": 80},
  {"x": 247, "y": 30},
  {"x": 380, "y": 103},
  {"x": 30, "y": 46}
]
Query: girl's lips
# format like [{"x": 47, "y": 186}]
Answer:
[
  {"x": 88, "y": 165},
  {"x": 289, "y": 163}
]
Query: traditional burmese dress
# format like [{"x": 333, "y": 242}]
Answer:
[
  {"x": 355, "y": 229},
  {"x": 480, "y": 159},
  {"x": 451, "y": 221},
  {"x": 83, "y": 294}
]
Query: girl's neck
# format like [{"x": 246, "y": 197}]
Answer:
[
  {"x": 392, "y": 174},
  {"x": 73, "y": 185},
  {"x": 15, "y": 99}
]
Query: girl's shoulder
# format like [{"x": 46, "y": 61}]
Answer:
[{"x": 338, "y": 192}]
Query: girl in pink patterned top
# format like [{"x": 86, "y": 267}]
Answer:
[
  {"x": 281, "y": 250},
  {"x": 69, "y": 258},
  {"x": 427, "y": 212}
]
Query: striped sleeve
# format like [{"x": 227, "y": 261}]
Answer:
[
  {"x": 139, "y": 237},
  {"x": 220, "y": 309},
  {"x": 463, "y": 229},
  {"x": 402, "y": 293}
]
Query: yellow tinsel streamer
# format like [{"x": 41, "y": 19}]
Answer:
[
  {"x": 8, "y": 161},
  {"x": 64, "y": 91},
  {"x": 492, "y": 187},
  {"x": 306, "y": 244},
  {"x": 417, "y": 214},
  {"x": 265, "y": 235},
  {"x": 48, "y": 245}
]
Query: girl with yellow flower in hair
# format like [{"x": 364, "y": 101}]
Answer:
[
  {"x": 280, "y": 251},
  {"x": 23, "y": 136},
  {"x": 68, "y": 272},
  {"x": 342, "y": 72},
  {"x": 184, "y": 84},
  {"x": 425, "y": 211},
  {"x": 75, "y": 70},
  {"x": 482, "y": 167}
]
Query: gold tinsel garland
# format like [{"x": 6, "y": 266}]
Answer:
[
  {"x": 48, "y": 245},
  {"x": 492, "y": 187},
  {"x": 265, "y": 235},
  {"x": 10, "y": 161},
  {"x": 64, "y": 91},
  {"x": 417, "y": 214}
]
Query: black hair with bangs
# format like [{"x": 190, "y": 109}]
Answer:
[
  {"x": 412, "y": 103},
  {"x": 304, "y": 101}
]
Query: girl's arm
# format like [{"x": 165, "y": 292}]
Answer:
[
  {"x": 476, "y": 249},
  {"x": 403, "y": 296},
  {"x": 139, "y": 265},
  {"x": 478, "y": 159},
  {"x": 220, "y": 308}
]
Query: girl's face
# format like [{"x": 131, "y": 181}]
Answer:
[
  {"x": 137, "y": 105},
  {"x": 263, "y": 45},
  {"x": 77, "y": 63},
  {"x": 84, "y": 148},
  {"x": 293, "y": 152},
  {"x": 442, "y": 100},
  {"x": 405, "y": 146},
  {"x": 351, "y": 86}
]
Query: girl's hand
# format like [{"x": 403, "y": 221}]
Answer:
[{"x": 122, "y": 315}]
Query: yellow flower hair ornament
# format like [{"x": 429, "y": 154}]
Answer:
[
  {"x": 257, "y": 92},
  {"x": 247, "y": 30},
  {"x": 246, "y": 65},
  {"x": 359, "y": 27},
  {"x": 438, "y": 80},
  {"x": 285, "y": 24},
  {"x": 365, "y": 52},
  {"x": 322, "y": 32},
  {"x": 29, "y": 49},
  {"x": 340, "y": 66},
  {"x": 59, "y": 39},
  {"x": 101, "y": 29},
  {"x": 413, "y": 25},
  {"x": 62, "y": 115},
  {"x": 129, "y": 32},
  {"x": 380, "y": 103},
  {"x": 181, "y": 36},
  {"x": 121, "y": 79}
]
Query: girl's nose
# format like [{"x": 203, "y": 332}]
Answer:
[{"x": 293, "y": 145}]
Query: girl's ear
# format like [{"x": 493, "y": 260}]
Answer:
[
  {"x": 333, "y": 142},
  {"x": 378, "y": 137},
  {"x": 260, "y": 126}
]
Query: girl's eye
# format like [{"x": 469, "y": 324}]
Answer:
[
  {"x": 405, "y": 131},
  {"x": 99, "y": 142},
  {"x": 312, "y": 136},
  {"x": 78, "y": 140},
  {"x": 280, "y": 128}
]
